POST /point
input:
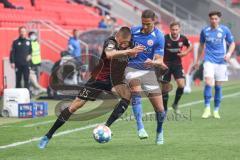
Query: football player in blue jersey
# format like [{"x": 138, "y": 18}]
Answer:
[
  {"x": 140, "y": 72},
  {"x": 214, "y": 39}
]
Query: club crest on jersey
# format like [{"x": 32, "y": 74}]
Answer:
[
  {"x": 150, "y": 42},
  {"x": 180, "y": 44},
  {"x": 219, "y": 35}
]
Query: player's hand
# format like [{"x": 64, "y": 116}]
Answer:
[
  {"x": 148, "y": 63},
  {"x": 137, "y": 49},
  {"x": 227, "y": 57},
  {"x": 196, "y": 66},
  {"x": 163, "y": 66},
  {"x": 181, "y": 54},
  {"x": 12, "y": 65},
  {"x": 29, "y": 57}
]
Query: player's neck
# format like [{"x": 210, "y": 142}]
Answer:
[
  {"x": 214, "y": 27},
  {"x": 176, "y": 38}
]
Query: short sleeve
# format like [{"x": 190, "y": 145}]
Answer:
[
  {"x": 159, "y": 48},
  {"x": 202, "y": 37},
  {"x": 229, "y": 37},
  {"x": 110, "y": 45},
  {"x": 186, "y": 41}
]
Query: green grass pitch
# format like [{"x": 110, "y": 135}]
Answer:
[{"x": 186, "y": 138}]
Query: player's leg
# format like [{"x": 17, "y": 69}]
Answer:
[
  {"x": 179, "y": 92},
  {"x": 152, "y": 88},
  {"x": 62, "y": 118},
  {"x": 217, "y": 99},
  {"x": 165, "y": 97},
  {"x": 157, "y": 103},
  {"x": 209, "y": 82},
  {"x": 221, "y": 76},
  {"x": 165, "y": 84},
  {"x": 178, "y": 74},
  {"x": 124, "y": 92},
  {"x": 137, "y": 107}
]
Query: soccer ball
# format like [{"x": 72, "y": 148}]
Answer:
[{"x": 102, "y": 134}]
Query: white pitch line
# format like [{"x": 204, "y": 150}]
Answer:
[
  {"x": 93, "y": 125},
  {"x": 47, "y": 122},
  {"x": 38, "y": 123}
]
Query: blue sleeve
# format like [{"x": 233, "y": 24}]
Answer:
[
  {"x": 229, "y": 37},
  {"x": 159, "y": 48},
  {"x": 70, "y": 46},
  {"x": 202, "y": 37}
]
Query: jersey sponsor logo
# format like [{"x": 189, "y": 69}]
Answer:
[
  {"x": 219, "y": 35},
  {"x": 146, "y": 48},
  {"x": 169, "y": 44},
  {"x": 173, "y": 50},
  {"x": 110, "y": 46},
  {"x": 19, "y": 43},
  {"x": 150, "y": 42},
  {"x": 180, "y": 44},
  {"x": 28, "y": 43}
]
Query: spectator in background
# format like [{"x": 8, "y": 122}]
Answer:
[
  {"x": 36, "y": 54},
  {"x": 20, "y": 57},
  {"x": 107, "y": 22},
  {"x": 74, "y": 47},
  {"x": 103, "y": 23},
  {"x": 32, "y": 2},
  {"x": 36, "y": 60},
  {"x": 8, "y": 4}
]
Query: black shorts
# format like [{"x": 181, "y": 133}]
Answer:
[
  {"x": 93, "y": 88},
  {"x": 175, "y": 70}
]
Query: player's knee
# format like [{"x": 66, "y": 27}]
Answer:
[
  {"x": 209, "y": 81},
  {"x": 76, "y": 104},
  {"x": 181, "y": 85},
  {"x": 127, "y": 95}
]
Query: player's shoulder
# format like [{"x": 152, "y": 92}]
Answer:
[
  {"x": 158, "y": 32},
  {"x": 206, "y": 28},
  {"x": 110, "y": 41},
  {"x": 223, "y": 28},
  {"x": 16, "y": 40},
  {"x": 136, "y": 29},
  {"x": 183, "y": 36}
]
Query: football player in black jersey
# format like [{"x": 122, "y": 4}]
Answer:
[
  {"x": 108, "y": 74},
  {"x": 173, "y": 53}
]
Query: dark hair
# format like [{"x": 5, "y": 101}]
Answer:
[
  {"x": 213, "y": 13},
  {"x": 31, "y": 33},
  {"x": 124, "y": 32},
  {"x": 74, "y": 31},
  {"x": 21, "y": 27},
  {"x": 148, "y": 14},
  {"x": 175, "y": 23}
]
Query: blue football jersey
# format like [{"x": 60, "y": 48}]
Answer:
[
  {"x": 153, "y": 43},
  {"x": 216, "y": 41}
]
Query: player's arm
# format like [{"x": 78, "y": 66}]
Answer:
[
  {"x": 158, "y": 56},
  {"x": 113, "y": 53},
  {"x": 156, "y": 62},
  {"x": 189, "y": 46},
  {"x": 230, "y": 40},
  {"x": 12, "y": 54}
]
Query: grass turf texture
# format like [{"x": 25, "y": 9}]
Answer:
[{"x": 186, "y": 138}]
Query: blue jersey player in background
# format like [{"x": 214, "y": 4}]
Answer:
[
  {"x": 215, "y": 39},
  {"x": 140, "y": 72}
]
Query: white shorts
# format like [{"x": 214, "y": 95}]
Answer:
[
  {"x": 147, "y": 78},
  {"x": 216, "y": 71}
]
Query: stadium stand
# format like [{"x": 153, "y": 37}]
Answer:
[{"x": 65, "y": 15}]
